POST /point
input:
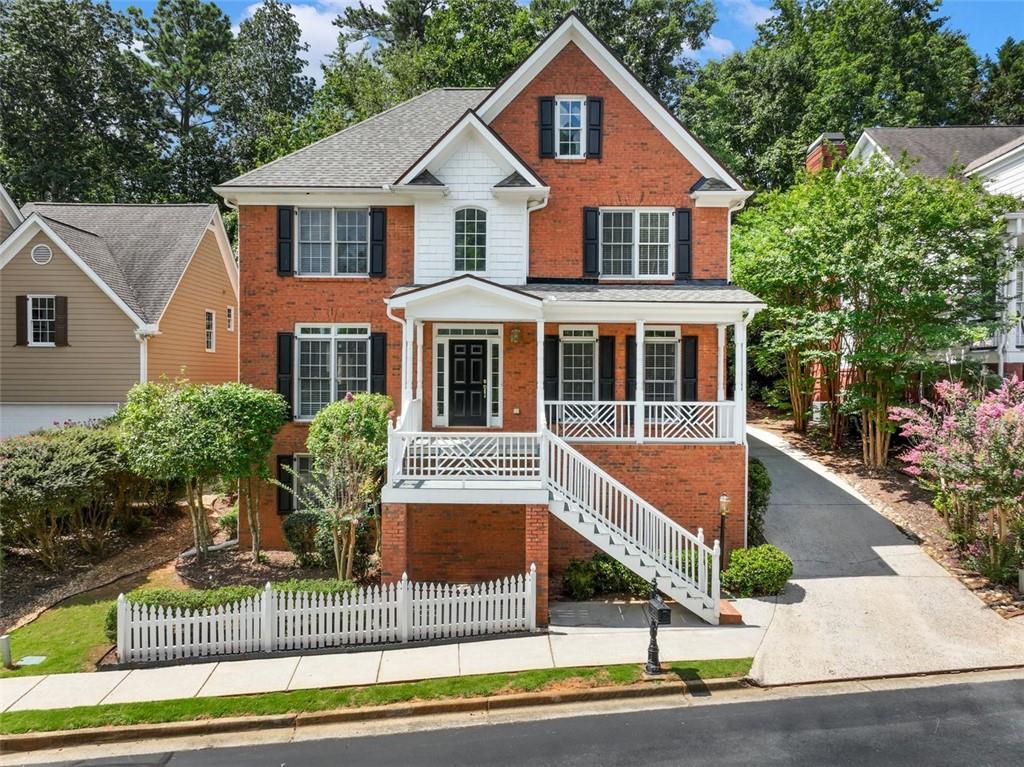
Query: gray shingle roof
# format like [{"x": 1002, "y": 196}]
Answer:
[
  {"x": 705, "y": 184},
  {"x": 371, "y": 153},
  {"x": 140, "y": 251},
  {"x": 937, "y": 149},
  {"x": 513, "y": 179},
  {"x": 680, "y": 293},
  {"x": 426, "y": 178},
  {"x": 996, "y": 153}
]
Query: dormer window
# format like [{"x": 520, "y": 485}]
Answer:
[
  {"x": 470, "y": 240},
  {"x": 571, "y": 136}
]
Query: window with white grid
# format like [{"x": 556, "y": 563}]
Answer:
[
  {"x": 353, "y": 366},
  {"x": 570, "y": 126},
  {"x": 332, "y": 361},
  {"x": 661, "y": 365},
  {"x": 653, "y": 244},
  {"x": 617, "y": 243},
  {"x": 211, "y": 330},
  {"x": 42, "y": 314},
  {"x": 470, "y": 240},
  {"x": 351, "y": 240},
  {"x": 636, "y": 243},
  {"x": 303, "y": 468},
  {"x": 315, "y": 241},
  {"x": 333, "y": 241},
  {"x": 577, "y": 357}
]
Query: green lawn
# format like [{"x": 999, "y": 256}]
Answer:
[
  {"x": 187, "y": 709},
  {"x": 69, "y": 635}
]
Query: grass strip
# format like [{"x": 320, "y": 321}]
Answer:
[{"x": 302, "y": 701}]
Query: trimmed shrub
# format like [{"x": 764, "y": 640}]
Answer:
[
  {"x": 759, "y": 491},
  {"x": 758, "y": 571},
  {"x": 578, "y": 580},
  {"x": 586, "y": 578},
  {"x": 300, "y": 528},
  {"x": 229, "y": 521}
]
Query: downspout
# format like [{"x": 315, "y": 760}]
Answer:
[
  {"x": 405, "y": 373},
  {"x": 142, "y": 335}
]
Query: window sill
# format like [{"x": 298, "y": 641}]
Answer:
[
  {"x": 38, "y": 345},
  {"x": 665, "y": 280},
  {"x": 329, "y": 276},
  {"x": 570, "y": 159}
]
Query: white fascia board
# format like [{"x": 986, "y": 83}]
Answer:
[
  {"x": 470, "y": 124},
  {"x": 465, "y": 283},
  {"x": 716, "y": 199},
  {"x": 630, "y": 311},
  {"x": 520, "y": 192},
  {"x": 573, "y": 30},
  {"x": 9, "y": 210},
  {"x": 1009, "y": 158},
  {"x": 459, "y": 494},
  {"x": 312, "y": 195},
  {"x": 34, "y": 224}
]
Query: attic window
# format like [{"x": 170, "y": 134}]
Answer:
[
  {"x": 41, "y": 254},
  {"x": 570, "y": 111}
]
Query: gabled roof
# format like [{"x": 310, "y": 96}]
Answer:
[
  {"x": 139, "y": 251},
  {"x": 371, "y": 153},
  {"x": 935, "y": 150}
]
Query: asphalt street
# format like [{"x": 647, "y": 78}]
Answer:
[{"x": 970, "y": 724}]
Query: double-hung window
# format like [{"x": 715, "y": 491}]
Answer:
[
  {"x": 333, "y": 361},
  {"x": 578, "y": 364},
  {"x": 470, "y": 240},
  {"x": 210, "y": 328},
  {"x": 636, "y": 243},
  {"x": 42, "y": 316},
  {"x": 570, "y": 113},
  {"x": 661, "y": 364},
  {"x": 333, "y": 241}
]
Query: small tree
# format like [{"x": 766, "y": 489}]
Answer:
[
  {"x": 173, "y": 432},
  {"x": 249, "y": 419},
  {"x": 348, "y": 441}
]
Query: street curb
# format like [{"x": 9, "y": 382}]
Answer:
[
  {"x": 951, "y": 672},
  {"x": 97, "y": 735}
]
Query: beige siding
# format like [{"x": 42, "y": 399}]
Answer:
[
  {"x": 100, "y": 362},
  {"x": 180, "y": 349},
  {"x": 5, "y": 227}
]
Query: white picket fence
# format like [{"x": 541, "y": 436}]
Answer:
[{"x": 275, "y": 620}]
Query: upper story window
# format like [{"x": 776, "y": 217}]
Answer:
[
  {"x": 333, "y": 241},
  {"x": 470, "y": 240},
  {"x": 229, "y": 315},
  {"x": 636, "y": 243},
  {"x": 211, "y": 330},
  {"x": 578, "y": 363},
  {"x": 570, "y": 111},
  {"x": 42, "y": 312},
  {"x": 333, "y": 360}
]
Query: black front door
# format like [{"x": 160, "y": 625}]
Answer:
[{"x": 467, "y": 389}]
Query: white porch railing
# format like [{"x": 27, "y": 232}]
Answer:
[
  {"x": 276, "y": 620},
  {"x": 428, "y": 455},
  {"x": 614, "y": 421}
]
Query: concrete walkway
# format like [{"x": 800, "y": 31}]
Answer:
[
  {"x": 582, "y": 634},
  {"x": 864, "y": 600}
]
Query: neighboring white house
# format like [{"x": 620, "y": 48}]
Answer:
[{"x": 995, "y": 155}]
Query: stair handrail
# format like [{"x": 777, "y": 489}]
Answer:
[{"x": 701, "y": 574}]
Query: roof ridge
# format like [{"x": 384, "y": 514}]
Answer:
[
  {"x": 125, "y": 204},
  {"x": 338, "y": 133},
  {"x": 939, "y": 127}
]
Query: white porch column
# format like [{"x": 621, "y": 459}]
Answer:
[
  {"x": 721, "y": 362},
  {"x": 638, "y": 413},
  {"x": 419, "y": 360},
  {"x": 740, "y": 384},
  {"x": 541, "y": 420},
  {"x": 407, "y": 332}
]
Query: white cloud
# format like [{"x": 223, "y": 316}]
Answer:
[
  {"x": 748, "y": 12},
  {"x": 720, "y": 46}
]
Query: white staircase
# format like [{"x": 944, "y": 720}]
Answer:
[{"x": 629, "y": 529}]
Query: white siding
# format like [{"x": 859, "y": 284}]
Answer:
[
  {"x": 1007, "y": 177},
  {"x": 469, "y": 173}
]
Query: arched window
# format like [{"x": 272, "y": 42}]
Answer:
[{"x": 470, "y": 240}]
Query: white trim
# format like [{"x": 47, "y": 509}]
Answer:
[
  {"x": 635, "y": 268},
  {"x": 1008, "y": 157},
  {"x": 454, "y": 233},
  {"x": 654, "y": 312},
  {"x": 41, "y": 247},
  {"x": 9, "y": 209},
  {"x": 333, "y": 336},
  {"x": 461, "y": 282},
  {"x": 333, "y": 274},
  {"x": 211, "y": 344},
  {"x": 573, "y": 30},
  {"x": 440, "y": 152},
  {"x": 35, "y": 223},
  {"x": 675, "y": 337},
  {"x": 28, "y": 315},
  {"x": 143, "y": 358},
  {"x": 716, "y": 199},
  {"x": 229, "y": 319},
  {"x": 583, "y": 128},
  {"x": 493, "y": 421},
  {"x": 595, "y": 360}
]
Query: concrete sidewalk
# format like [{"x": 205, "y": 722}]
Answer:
[{"x": 620, "y": 638}]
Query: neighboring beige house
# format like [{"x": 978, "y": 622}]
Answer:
[{"x": 95, "y": 298}]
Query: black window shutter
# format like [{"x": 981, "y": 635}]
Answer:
[
  {"x": 591, "y": 233},
  {"x": 595, "y": 116},
  {"x": 684, "y": 265},
  {"x": 285, "y": 363},
  {"x": 546, "y": 105},
  {"x": 285, "y": 499},
  {"x": 60, "y": 324},
  {"x": 379, "y": 363},
  {"x": 689, "y": 392},
  {"x": 606, "y": 368},
  {"x": 631, "y": 368},
  {"x": 551, "y": 367},
  {"x": 378, "y": 241},
  {"x": 21, "y": 321},
  {"x": 285, "y": 218}
]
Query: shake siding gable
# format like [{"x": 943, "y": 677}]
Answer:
[
  {"x": 638, "y": 167},
  {"x": 181, "y": 343},
  {"x": 100, "y": 362}
]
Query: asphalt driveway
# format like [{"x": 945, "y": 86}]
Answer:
[{"x": 864, "y": 600}]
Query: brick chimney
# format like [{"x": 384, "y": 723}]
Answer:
[{"x": 825, "y": 150}]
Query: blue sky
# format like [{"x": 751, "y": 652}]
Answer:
[{"x": 986, "y": 22}]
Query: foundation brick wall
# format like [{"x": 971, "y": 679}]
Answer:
[{"x": 638, "y": 166}]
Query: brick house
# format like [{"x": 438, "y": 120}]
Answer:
[{"x": 538, "y": 275}]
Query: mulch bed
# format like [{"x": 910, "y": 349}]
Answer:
[
  {"x": 234, "y": 567},
  {"x": 897, "y": 497},
  {"x": 29, "y": 588}
]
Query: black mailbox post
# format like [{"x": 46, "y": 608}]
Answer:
[{"x": 658, "y": 614}]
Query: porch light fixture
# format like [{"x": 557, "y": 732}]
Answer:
[
  {"x": 723, "y": 511},
  {"x": 514, "y": 335}
]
